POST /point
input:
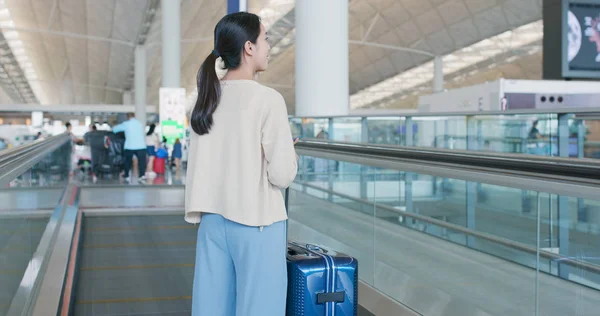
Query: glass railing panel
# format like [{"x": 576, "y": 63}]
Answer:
[
  {"x": 312, "y": 128},
  {"x": 28, "y": 201},
  {"x": 573, "y": 232},
  {"x": 584, "y": 137},
  {"x": 535, "y": 134},
  {"x": 431, "y": 268},
  {"x": 385, "y": 130},
  {"x": 296, "y": 126},
  {"x": 571, "y": 228},
  {"x": 447, "y": 132},
  {"x": 518, "y": 134},
  {"x": 347, "y": 129},
  {"x": 317, "y": 216},
  {"x": 446, "y": 246}
]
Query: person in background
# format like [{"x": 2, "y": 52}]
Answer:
[
  {"x": 135, "y": 144},
  {"x": 152, "y": 144},
  {"x": 536, "y": 143},
  {"x": 164, "y": 143},
  {"x": 69, "y": 129},
  {"x": 86, "y": 136},
  {"x": 176, "y": 154},
  {"x": 75, "y": 141},
  {"x": 534, "y": 133}
]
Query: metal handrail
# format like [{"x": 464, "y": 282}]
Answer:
[
  {"x": 20, "y": 150},
  {"x": 16, "y": 162},
  {"x": 585, "y": 170},
  {"x": 579, "y": 111},
  {"x": 492, "y": 238},
  {"x": 12, "y": 152}
]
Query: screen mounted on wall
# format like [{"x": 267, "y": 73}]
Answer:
[{"x": 581, "y": 27}]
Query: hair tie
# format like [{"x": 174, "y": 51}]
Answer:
[
  {"x": 220, "y": 68},
  {"x": 216, "y": 53}
]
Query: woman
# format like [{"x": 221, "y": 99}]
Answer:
[
  {"x": 152, "y": 144},
  {"x": 241, "y": 156}
]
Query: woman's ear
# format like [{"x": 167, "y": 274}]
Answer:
[{"x": 248, "y": 48}]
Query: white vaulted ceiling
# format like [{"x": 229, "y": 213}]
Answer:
[
  {"x": 80, "y": 69},
  {"x": 440, "y": 27},
  {"x": 198, "y": 19},
  {"x": 81, "y": 51}
]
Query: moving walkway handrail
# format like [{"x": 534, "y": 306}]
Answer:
[
  {"x": 18, "y": 160},
  {"x": 581, "y": 112},
  {"x": 11, "y": 153},
  {"x": 24, "y": 149},
  {"x": 492, "y": 238},
  {"x": 583, "y": 169},
  {"x": 562, "y": 176}
]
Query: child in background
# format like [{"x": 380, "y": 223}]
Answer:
[
  {"x": 176, "y": 154},
  {"x": 152, "y": 144}
]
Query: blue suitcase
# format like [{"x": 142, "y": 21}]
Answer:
[{"x": 321, "y": 282}]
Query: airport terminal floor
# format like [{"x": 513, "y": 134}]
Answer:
[{"x": 431, "y": 238}]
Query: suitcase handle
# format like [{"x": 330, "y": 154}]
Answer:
[
  {"x": 307, "y": 249},
  {"x": 312, "y": 247},
  {"x": 294, "y": 250}
]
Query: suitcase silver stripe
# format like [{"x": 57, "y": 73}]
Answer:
[{"x": 330, "y": 284}]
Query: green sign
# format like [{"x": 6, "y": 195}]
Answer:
[{"x": 172, "y": 130}]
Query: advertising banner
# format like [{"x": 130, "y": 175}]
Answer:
[{"x": 172, "y": 114}]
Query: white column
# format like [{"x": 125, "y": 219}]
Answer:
[
  {"x": 37, "y": 119},
  {"x": 322, "y": 58},
  {"x": 438, "y": 74},
  {"x": 127, "y": 97},
  {"x": 140, "y": 83},
  {"x": 171, "y": 43}
]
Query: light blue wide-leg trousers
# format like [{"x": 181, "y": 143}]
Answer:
[{"x": 240, "y": 270}]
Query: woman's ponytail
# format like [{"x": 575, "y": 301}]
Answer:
[
  {"x": 209, "y": 94},
  {"x": 231, "y": 34}
]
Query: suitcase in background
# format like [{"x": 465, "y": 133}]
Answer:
[
  {"x": 321, "y": 282},
  {"x": 159, "y": 165}
]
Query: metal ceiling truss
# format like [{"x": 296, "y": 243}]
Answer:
[
  {"x": 153, "y": 7},
  {"x": 12, "y": 77}
]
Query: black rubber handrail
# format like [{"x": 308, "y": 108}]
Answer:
[
  {"x": 581, "y": 168},
  {"x": 18, "y": 161}
]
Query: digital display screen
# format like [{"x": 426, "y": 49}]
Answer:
[{"x": 583, "y": 37}]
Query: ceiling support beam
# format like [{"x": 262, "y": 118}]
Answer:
[
  {"x": 73, "y": 108},
  {"x": 371, "y": 27},
  {"x": 71, "y": 35},
  {"x": 93, "y": 86},
  {"x": 404, "y": 49},
  {"x": 52, "y": 12}
]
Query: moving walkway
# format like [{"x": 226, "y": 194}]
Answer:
[{"x": 436, "y": 232}]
